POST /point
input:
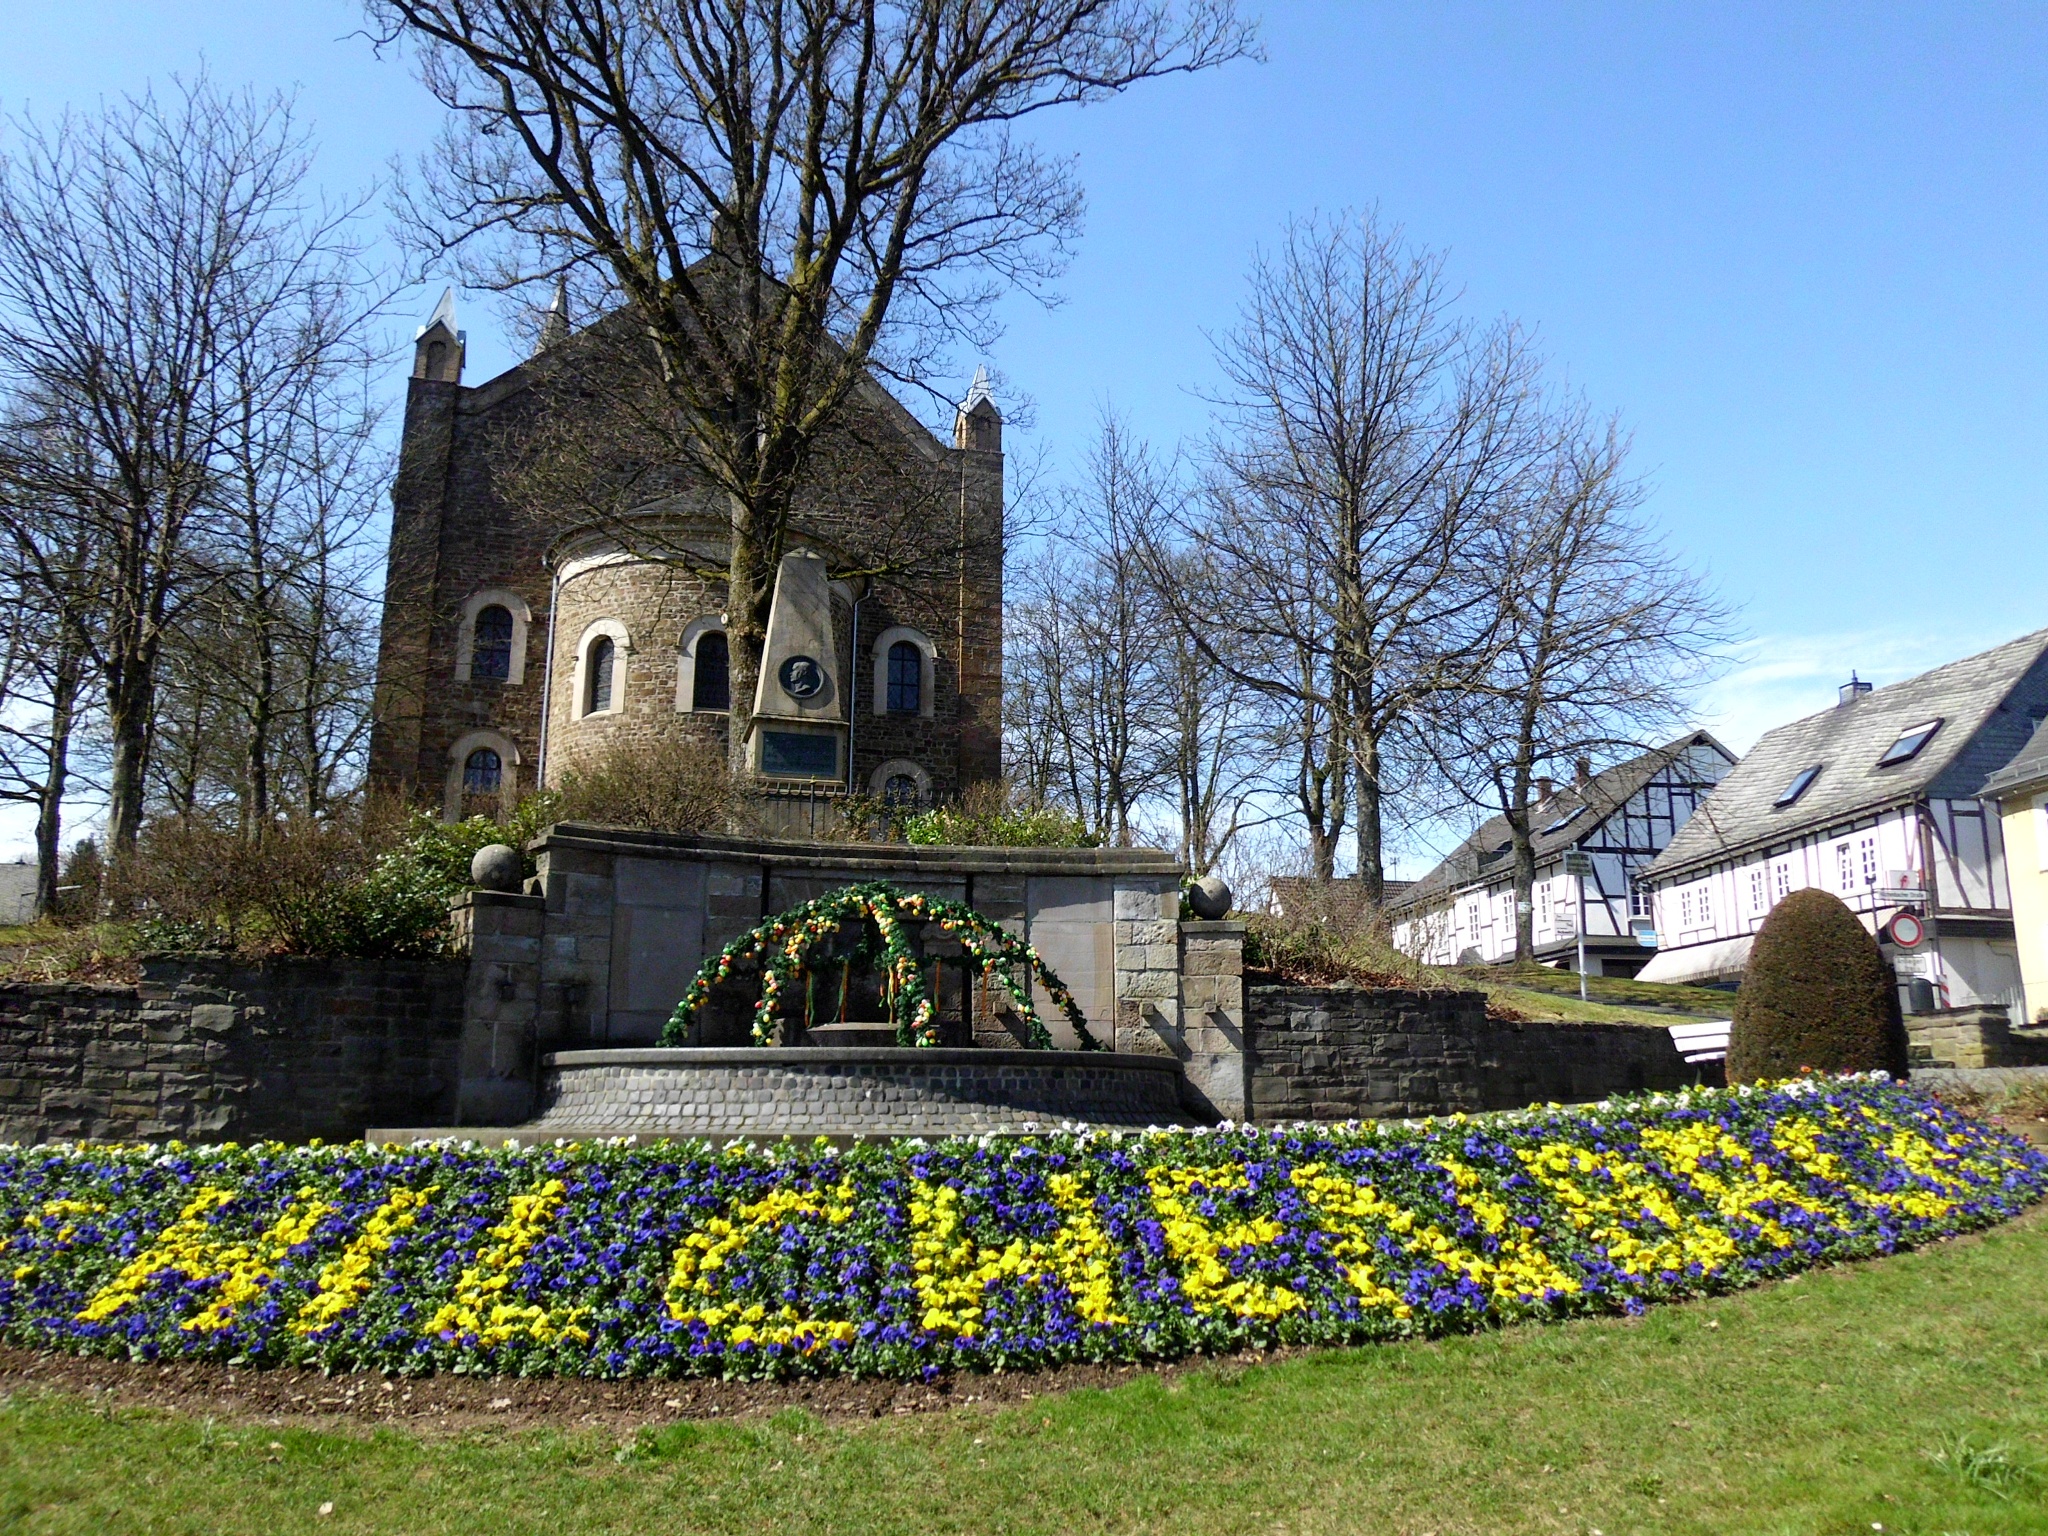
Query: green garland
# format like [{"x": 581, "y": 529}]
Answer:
[{"x": 785, "y": 944}]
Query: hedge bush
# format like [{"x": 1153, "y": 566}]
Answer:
[{"x": 1816, "y": 995}]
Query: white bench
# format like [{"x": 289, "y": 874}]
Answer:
[{"x": 1706, "y": 1040}]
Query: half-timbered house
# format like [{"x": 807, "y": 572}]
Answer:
[
  {"x": 1882, "y": 801},
  {"x": 1463, "y": 911}
]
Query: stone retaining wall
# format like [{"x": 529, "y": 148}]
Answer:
[
  {"x": 1973, "y": 1037},
  {"x": 1347, "y": 1052},
  {"x": 204, "y": 1049},
  {"x": 851, "y": 1090}
]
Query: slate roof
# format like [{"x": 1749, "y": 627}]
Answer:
[
  {"x": 2030, "y": 767},
  {"x": 1477, "y": 858},
  {"x": 1989, "y": 705}
]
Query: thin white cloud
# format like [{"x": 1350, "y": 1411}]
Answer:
[{"x": 1779, "y": 678}]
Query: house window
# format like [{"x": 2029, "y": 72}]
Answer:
[
  {"x": 711, "y": 683},
  {"x": 483, "y": 771},
  {"x": 1845, "y": 868},
  {"x": 906, "y": 678},
  {"x": 1783, "y": 876},
  {"x": 1758, "y": 893},
  {"x": 1909, "y": 743},
  {"x": 1706, "y": 907},
  {"x": 1685, "y": 909},
  {"x": 490, "y": 652},
  {"x": 603, "y": 656},
  {"x": 1866, "y": 855},
  {"x": 1543, "y": 903},
  {"x": 1641, "y": 899}
]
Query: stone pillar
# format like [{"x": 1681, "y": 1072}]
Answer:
[
  {"x": 1216, "y": 1057},
  {"x": 498, "y": 1066},
  {"x": 1977, "y": 1035},
  {"x": 1144, "y": 910}
]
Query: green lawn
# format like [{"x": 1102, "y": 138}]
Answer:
[
  {"x": 1812, "y": 1406},
  {"x": 1616, "y": 991}
]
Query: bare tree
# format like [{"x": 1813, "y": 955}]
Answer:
[
  {"x": 1091, "y": 643},
  {"x": 52, "y": 575},
  {"x": 142, "y": 253},
  {"x": 1217, "y": 744},
  {"x": 281, "y": 617},
  {"x": 786, "y": 197},
  {"x": 1366, "y": 435},
  {"x": 1602, "y": 640}
]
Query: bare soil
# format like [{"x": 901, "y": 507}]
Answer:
[{"x": 454, "y": 1404}]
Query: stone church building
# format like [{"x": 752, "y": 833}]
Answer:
[{"x": 518, "y": 644}]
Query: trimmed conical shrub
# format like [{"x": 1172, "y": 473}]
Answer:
[{"x": 1816, "y": 994}]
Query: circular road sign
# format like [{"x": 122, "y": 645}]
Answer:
[{"x": 1906, "y": 930}]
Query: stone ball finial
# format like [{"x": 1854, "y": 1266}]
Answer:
[
  {"x": 1210, "y": 898},
  {"x": 497, "y": 867}
]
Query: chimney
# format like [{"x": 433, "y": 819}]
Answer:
[
  {"x": 1853, "y": 690},
  {"x": 1582, "y": 773},
  {"x": 1544, "y": 789},
  {"x": 979, "y": 425}
]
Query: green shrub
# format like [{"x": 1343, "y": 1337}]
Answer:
[
  {"x": 1816, "y": 995},
  {"x": 400, "y": 906},
  {"x": 663, "y": 786},
  {"x": 990, "y": 815}
]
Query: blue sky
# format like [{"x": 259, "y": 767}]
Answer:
[{"x": 1797, "y": 247}]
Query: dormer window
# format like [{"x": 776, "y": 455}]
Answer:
[
  {"x": 1565, "y": 820},
  {"x": 1908, "y": 746},
  {"x": 1802, "y": 781}
]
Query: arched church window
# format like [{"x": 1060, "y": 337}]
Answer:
[
  {"x": 901, "y": 790},
  {"x": 906, "y": 679},
  {"x": 490, "y": 655},
  {"x": 711, "y": 684},
  {"x": 437, "y": 355},
  {"x": 483, "y": 771},
  {"x": 603, "y": 654}
]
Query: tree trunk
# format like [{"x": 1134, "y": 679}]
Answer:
[
  {"x": 66, "y": 683},
  {"x": 750, "y": 592},
  {"x": 1372, "y": 869},
  {"x": 128, "y": 706},
  {"x": 1525, "y": 882}
]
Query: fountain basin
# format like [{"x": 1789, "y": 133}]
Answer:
[{"x": 840, "y": 1092}]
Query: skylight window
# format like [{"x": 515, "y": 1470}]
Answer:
[
  {"x": 1802, "y": 781},
  {"x": 1909, "y": 743},
  {"x": 1565, "y": 820}
]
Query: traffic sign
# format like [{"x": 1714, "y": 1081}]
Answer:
[{"x": 1906, "y": 930}]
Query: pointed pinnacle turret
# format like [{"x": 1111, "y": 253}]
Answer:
[
  {"x": 437, "y": 346},
  {"x": 979, "y": 424},
  {"x": 554, "y": 326}
]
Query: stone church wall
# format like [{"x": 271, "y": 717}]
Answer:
[{"x": 455, "y": 533}]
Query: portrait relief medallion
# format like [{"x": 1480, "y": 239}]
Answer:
[{"x": 802, "y": 677}]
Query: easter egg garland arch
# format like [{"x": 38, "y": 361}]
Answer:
[{"x": 787, "y": 945}]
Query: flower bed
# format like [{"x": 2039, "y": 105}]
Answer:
[{"x": 624, "y": 1260}]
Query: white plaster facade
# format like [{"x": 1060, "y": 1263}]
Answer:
[{"x": 1464, "y": 910}]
